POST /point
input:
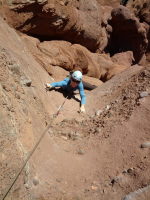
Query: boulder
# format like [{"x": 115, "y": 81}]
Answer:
[
  {"x": 52, "y": 54},
  {"x": 128, "y": 33},
  {"x": 92, "y": 81},
  {"x": 141, "y": 9},
  {"x": 106, "y": 29},
  {"x": 140, "y": 194},
  {"x": 124, "y": 58}
]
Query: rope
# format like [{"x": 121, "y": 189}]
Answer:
[{"x": 31, "y": 153}]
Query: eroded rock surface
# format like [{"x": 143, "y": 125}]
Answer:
[
  {"x": 92, "y": 24},
  {"x": 74, "y": 21},
  {"x": 20, "y": 105},
  {"x": 51, "y": 54},
  {"x": 128, "y": 33},
  {"x": 141, "y": 9}
]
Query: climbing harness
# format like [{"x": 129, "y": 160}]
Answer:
[{"x": 35, "y": 147}]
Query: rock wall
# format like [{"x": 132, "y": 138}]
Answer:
[
  {"x": 92, "y": 24},
  {"x": 23, "y": 113},
  {"x": 112, "y": 3},
  {"x": 128, "y": 33},
  {"x": 141, "y": 9},
  {"x": 74, "y": 21},
  {"x": 53, "y": 54}
]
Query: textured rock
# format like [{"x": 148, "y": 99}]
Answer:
[
  {"x": 128, "y": 33},
  {"x": 76, "y": 57},
  {"x": 54, "y": 54},
  {"x": 124, "y": 58},
  {"x": 74, "y": 21},
  {"x": 101, "y": 95},
  {"x": 144, "y": 94},
  {"x": 113, "y": 3},
  {"x": 141, "y": 194},
  {"x": 141, "y": 9},
  {"x": 106, "y": 29},
  {"x": 18, "y": 4},
  {"x": 35, "y": 181},
  {"x": 92, "y": 81},
  {"x": 16, "y": 131},
  {"x": 145, "y": 145}
]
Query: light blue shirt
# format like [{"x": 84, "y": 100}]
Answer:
[{"x": 66, "y": 85}]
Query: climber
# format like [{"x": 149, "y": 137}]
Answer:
[{"x": 70, "y": 84}]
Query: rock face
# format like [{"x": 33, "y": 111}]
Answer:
[
  {"x": 20, "y": 105},
  {"x": 128, "y": 33},
  {"x": 142, "y": 10},
  {"x": 125, "y": 58},
  {"x": 97, "y": 96},
  {"x": 74, "y": 21},
  {"x": 92, "y": 24},
  {"x": 51, "y": 54},
  {"x": 112, "y": 3}
]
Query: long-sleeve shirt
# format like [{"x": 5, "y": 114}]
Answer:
[{"x": 66, "y": 85}]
